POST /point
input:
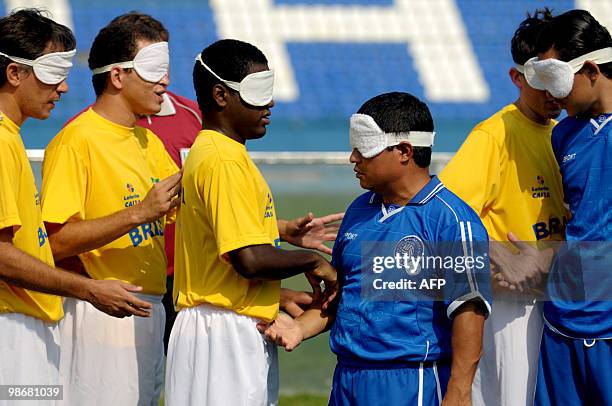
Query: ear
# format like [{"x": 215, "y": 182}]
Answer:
[
  {"x": 591, "y": 70},
  {"x": 116, "y": 77},
  {"x": 405, "y": 151},
  {"x": 220, "y": 95},
  {"x": 516, "y": 77},
  {"x": 15, "y": 74}
]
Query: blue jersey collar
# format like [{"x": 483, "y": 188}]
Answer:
[{"x": 428, "y": 192}]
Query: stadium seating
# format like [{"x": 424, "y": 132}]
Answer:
[{"x": 332, "y": 77}]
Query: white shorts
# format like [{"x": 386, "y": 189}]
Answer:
[
  {"x": 217, "y": 357},
  {"x": 110, "y": 361},
  {"x": 29, "y": 353},
  {"x": 511, "y": 346}
]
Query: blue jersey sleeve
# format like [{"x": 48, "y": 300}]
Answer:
[{"x": 466, "y": 272}]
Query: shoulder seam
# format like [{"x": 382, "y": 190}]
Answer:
[{"x": 450, "y": 208}]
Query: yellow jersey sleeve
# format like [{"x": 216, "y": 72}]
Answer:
[
  {"x": 476, "y": 181},
  {"x": 230, "y": 195},
  {"x": 9, "y": 186},
  {"x": 63, "y": 169}
]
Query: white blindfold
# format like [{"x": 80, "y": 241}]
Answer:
[
  {"x": 255, "y": 89},
  {"x": 51, "y": 68},
  {"x": 150, "y": 63},
  {"x": 557, "y": 77},
  {"x": 367, "y": 137}
]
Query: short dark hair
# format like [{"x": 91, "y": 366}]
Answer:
[
  {"x": 231, "y": 60},
  {"x": 27, "y": 32},
  {"x": 401, "y": 112},
  {"x": 523, "y": 45},
  {"x": 573, "y": 34},
  {"x": 116, "y": 42}
]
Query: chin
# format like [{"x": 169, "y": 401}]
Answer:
[
  {"x": 260, "y": 133},
  {"x": 153, "y": 111},
  {"x": 41, "y": 115},
  {"x": 364, "y": 185}
]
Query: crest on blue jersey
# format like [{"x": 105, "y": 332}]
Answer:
[{"x": 413, "y": 247}]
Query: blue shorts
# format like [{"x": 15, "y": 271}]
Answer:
[
  {"x": 573, "y": 371},
  {"x": 355, "y": 385}
]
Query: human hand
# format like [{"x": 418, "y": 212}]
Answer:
[
  {"x": 294, "y": 302},
  {"x": 114, "y": 298},
  {"x": 311, "y": 232},
  {"x": 325, "y": 273},
  {"x": 522, "y": 271},
  {"x": 283, "y": 331},
  {"x": 160, "y": 199}
]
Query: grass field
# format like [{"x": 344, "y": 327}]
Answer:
[
  {"x": 309, "y": 368},
  {"x": 303, "y": 400}
]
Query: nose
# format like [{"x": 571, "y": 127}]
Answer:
[
  {"x": 355, "y": 156},
  {"x": 165, "y": 81},
  {"x": 271, "y": 104},
  {"x": 62, "y": 87}
]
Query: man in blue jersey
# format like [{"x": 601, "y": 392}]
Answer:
[
  {"x": 574, "y": 65},
  {"x": 408, "y": 328}
]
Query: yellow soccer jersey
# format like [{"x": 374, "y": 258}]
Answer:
[
  {"x": 506, "y": 171},
  {"x": 94, "y": 168},
  {"x": 226, "y": 204},
  {"x": 20, "y": 210}
]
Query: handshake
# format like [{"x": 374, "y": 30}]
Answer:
[{"x": 307, "y": 314}]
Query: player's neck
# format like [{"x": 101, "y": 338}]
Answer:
[
  {"x": 532, "y": 115},
  {"x": 406, "y": 188},
  {"x": 115, "y": 109},
  {"x": 218, "y": 124},
  {"x": 603, "y": 104},
  {"x": 10, "y": 108}
]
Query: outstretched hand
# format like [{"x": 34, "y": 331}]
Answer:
[{"x": 312, "y": 232}]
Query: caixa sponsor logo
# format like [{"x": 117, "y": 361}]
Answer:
[
  {"x": 131, "y": 198},
  {"x": 146, "y": 231}
]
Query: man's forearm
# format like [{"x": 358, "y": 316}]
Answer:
[
  {"x": 21, "y": 269},
  {"x": 468, "y": 326},
  {"x": 314, "y": 322},
  {"x": 76, "y": 237},
  {"x": 265, "y": 262}
]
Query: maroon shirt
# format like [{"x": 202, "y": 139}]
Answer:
[{"x": 179, "y": 130}]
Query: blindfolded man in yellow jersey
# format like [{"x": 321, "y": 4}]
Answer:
[{"x": 228, "y": 264}]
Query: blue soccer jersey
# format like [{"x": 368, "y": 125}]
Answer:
[
  {"x": 580, "y": 282},
  {"x": 401, "y": 312}
]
